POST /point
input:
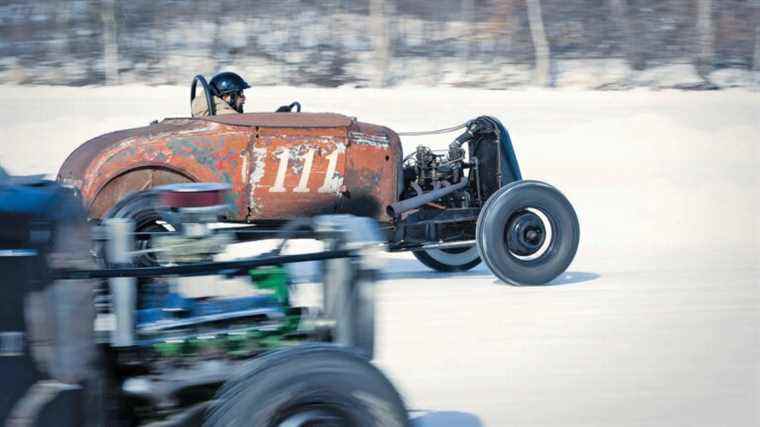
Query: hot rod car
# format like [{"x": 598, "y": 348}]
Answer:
[
  {"x": 452, "y": 209},
  {"x": 145, "y": 353}
]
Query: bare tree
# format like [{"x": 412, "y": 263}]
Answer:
[
  {"x": 706, "y": 34},
  {"x": 540, "y": 43},
  {"x": 629, "y": 44},
  {"x": 756, "y": 56},
  {"x": 381, "y": 39},
  {"x": 110, "y": 42},
  {"x": 468, "y": 12}
]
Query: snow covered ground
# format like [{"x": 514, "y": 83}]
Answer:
[{"x": 657, "y": 321}]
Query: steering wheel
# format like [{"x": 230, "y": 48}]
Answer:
[
  {"x": 207, "y": 92},
  {"x": 289, "y": 108}
]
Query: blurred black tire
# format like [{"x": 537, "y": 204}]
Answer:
[{"x": 310, "y": 383}]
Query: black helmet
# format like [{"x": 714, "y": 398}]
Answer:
[{"x": 227, "y": 82}]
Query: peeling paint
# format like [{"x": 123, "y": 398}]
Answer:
[
  {"x": 334, "y": 183},
  {"x": 365, "y": 139},
  {"x": 257, "y": 173},
  {"x": 244, "y": 169}
]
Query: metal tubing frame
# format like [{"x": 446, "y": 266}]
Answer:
[
  {"x": 237, "y": 268},
  {"x": 123, "y": 289}
]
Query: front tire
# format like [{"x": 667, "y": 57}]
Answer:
[
  {"x": 448, "y": 260},
  {"x": 527, "y": 233},
  {"x": 309, "y": 385}
]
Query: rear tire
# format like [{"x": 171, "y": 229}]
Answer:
[
  {"x": 309, "y": 383},
  {"x": 142, "y": 209},
  {"x": 527, "y": 233},
  {"x": 448, "y": 260}
]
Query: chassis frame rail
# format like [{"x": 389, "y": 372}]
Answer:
[{"x": 230, "y": 268}]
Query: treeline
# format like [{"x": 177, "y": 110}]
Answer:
[{"x": 475, "y": 43}]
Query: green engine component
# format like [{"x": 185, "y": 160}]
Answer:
[
  {"x": 244, "y": 340},
  {"x": 272, "y": 278},
  {"x": 238, "y": 343}
]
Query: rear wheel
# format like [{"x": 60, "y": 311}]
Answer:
[
  {"x": 142, "y": 209},
  {"x": 309, "y": 385},
  {"x": 527, "y": 233},
  {"x": 451, "y": 259}
]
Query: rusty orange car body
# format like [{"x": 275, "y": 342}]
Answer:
[{"x": 279, "y": 165}]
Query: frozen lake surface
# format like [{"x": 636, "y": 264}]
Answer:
[{"x": 656, "y": 322}]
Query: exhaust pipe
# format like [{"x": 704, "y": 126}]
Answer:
[{"x": 396, "y": 209}]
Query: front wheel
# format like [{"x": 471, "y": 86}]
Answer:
[
  {"x": 309, "y": 385},
  {"x": 451, "y": 259},
  {"x": 527, "y": 233}
]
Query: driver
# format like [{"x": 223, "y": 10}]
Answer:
[{"x": 227, "y": 90}]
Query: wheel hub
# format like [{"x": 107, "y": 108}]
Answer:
[{"x": 525, "y": 233}]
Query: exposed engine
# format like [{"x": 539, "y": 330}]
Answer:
[
  {"x": 437, "y": 179},
  {"x": 188, "y": 319},
  {"x": 426, "y": 170},
  {"x": 173, "y": 347},
  {"x": 444, "y": 190}
]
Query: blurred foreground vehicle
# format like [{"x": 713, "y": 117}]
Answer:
[
  {"x": 118, "y": 344},
  {"x": 451, "y": 208}
]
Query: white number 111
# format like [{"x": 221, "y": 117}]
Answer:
[{"x": 303, "y": 182}]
